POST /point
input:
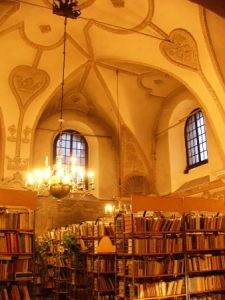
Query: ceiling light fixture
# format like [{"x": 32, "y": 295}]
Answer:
[{"x": 62, "y": 179}]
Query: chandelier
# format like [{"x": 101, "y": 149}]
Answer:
[{"x": 61, "y": 179}]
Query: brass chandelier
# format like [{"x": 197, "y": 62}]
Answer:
[{"x": 62, "y": 179}]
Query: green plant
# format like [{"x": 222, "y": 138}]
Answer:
[
  {"x": 42, "y": 247},
  {"x": 72, "y": 249},
  {"x": 70, "y": 244}
]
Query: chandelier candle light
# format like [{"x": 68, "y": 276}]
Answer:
[{"x": 61, "y": 179}]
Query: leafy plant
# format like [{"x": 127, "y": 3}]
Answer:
[
  {"x": 41, "y": 249},
  {"x": 72, "y": 249}
]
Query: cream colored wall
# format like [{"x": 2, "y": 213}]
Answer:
[
  {"x": 181, "y": 50},
  {"x": 100, "y": 150},
  {"x": 171, "y": 152}
]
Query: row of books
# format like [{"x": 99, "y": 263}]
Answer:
[
  {"x": 205, "y": 221},
  {"x": 150, "y": 245},
  {"x": 100, "y": 265},
  {"x": 158, "y": 222},
  {"x": 103, "y": 283},
  {"x": 150, "y": 267},
  {"x": 58, "y": 261},
  {"x": 206, "y": 283},
  {"x": 16, "y": 220},
  {"x": 149, "y": 224},
  {"x": 154, "y": 289},
  {"x": 79, "y": 279},
  {"x": 14, "y": 292},
  {"x": 61, "y": 273},
  {"x": 10, "y": 267},
  {"x": 97, "y": 229},
  {"x": 104, "y": 265},
  {"x": 11, "y": 242},
  {"x": 205, "y": 241},
  {"x": 206, "y": 262},
  {"x": 86, "y": 229}
]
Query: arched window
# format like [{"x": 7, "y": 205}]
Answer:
[
  {"x": 195, "y": 140},
  {"x": 73, "y": 145}
]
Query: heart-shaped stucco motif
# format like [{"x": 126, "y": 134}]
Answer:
[
  {"x": 27, "y": 83},
  {"x": 7, "y": 9},
  {"x": 181, "y": 49}
]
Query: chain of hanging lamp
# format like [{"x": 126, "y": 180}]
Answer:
[
  {"x": 61, "y": 120},
  {"x": 62, "y": 179}
]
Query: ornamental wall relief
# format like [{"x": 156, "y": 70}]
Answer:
[
  {"x": 12, "y": 133},
  {"x": 26, "y": 133},
  {"x": 17, "y": 163},
  {"x": 134, "y": 165},
  {"x": 27, "y": 83},
  {"x": 181, "y": 49}
]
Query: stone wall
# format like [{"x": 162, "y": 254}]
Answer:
[{"x": 52, "y": 213}]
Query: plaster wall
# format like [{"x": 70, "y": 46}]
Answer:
[
  {"x": 171, "y": 152},
  {"x": 101, "y": 151}
]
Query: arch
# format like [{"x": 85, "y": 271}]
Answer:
[
  {"x": 71, "y": 144},
  {"x": 195, "y": 140},
  {"x": 170, "y": 145}
]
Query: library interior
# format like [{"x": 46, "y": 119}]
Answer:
[{"x": 112, "y": 150}]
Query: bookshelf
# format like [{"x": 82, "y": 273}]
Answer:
[
  {"x": 203, "y": 241},
  {"x": 101, "y": 260},
  {"x": 153, "y": 254},
  {"x": 150, "y": 261},
  {"x": 205, "y": 250},
  {"x": 64, "y": 263},
  {"x": 16, "y": 252}
]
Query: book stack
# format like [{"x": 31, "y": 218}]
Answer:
[{"x": 16, "y": 249}]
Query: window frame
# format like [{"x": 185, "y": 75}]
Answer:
[
  {"x": 201, "y": 162},
  {"x": 72, "y": 133}
]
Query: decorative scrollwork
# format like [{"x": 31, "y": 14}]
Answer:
[{"x": 181, "y": 49}]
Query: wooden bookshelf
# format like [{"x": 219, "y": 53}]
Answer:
[
  {"x": 16, "y": 250},
  {"x": 149, "y": 245},
  {"x": 101, "y": 260}
]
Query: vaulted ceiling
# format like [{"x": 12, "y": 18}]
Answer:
[{"x": 121, "y": 54}]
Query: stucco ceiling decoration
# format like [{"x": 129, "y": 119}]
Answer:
[
  {"x": 181, "y": 49},
  {"x": 118, "y": 3},
  {"x": 158, "y": 84},
  {"x": 17, "y": 163},
  {"x": 76, "y": 100},
  {"x": 135, "y": 185},
  {"x": 7, "y": 8},
  {"x": 122, "y": 20},
  {"x": 26, "y": 134},
  {"x": 124, "y": 66},
  {"x": 12, "y": 133},
  {"x": 16, "y": 182},
  {"x": 27, "y": 83},
  {"x": 132, "y": 158}
]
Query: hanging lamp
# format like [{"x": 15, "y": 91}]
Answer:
[{"x": 61, "y": 179}]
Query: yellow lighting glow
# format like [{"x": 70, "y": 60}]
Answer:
[{"x": 75, "y": 178}]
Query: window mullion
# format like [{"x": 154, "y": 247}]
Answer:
[
  {"x": 71, "y": 145},
  {"x": 197, "y": 137}
]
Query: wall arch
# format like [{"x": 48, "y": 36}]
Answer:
[{"x": 170, "y": 146}]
